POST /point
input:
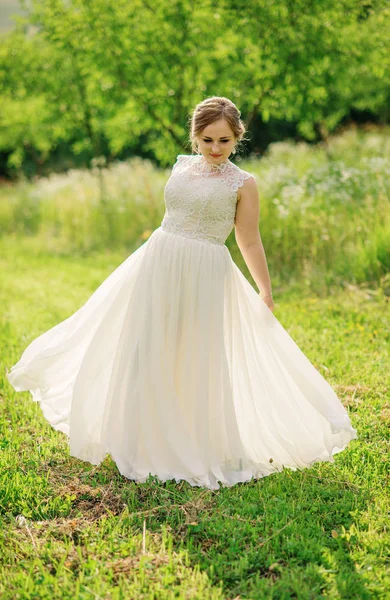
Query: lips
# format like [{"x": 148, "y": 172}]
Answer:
[{"x": 215, "y": 155}]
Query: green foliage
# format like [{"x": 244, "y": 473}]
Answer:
[
  {"x": 110, "y": 77},
  {"x": 324, "y": 214}
]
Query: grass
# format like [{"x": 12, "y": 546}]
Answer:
[
  {"x": 324, "y": 212},
  {"x": 72, "y": 530}
]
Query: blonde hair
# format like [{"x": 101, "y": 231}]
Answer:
[{"x": 212, "y": 109}]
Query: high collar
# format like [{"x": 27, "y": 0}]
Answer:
[{"x": 208, "y": 166}]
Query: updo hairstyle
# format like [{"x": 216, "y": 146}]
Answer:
[{"x": 210, "y": 110}]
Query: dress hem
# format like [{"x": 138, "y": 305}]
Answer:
[{"x": 253, "y": 475}]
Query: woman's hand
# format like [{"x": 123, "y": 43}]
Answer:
[{"x": 268, "y": 300}]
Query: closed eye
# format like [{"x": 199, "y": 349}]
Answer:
[{"x": 223, "y": 141}]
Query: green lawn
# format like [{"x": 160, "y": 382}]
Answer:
[{"x": 72, "y": 530}]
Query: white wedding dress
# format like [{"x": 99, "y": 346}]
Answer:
[{"x": 175, "y": 366}]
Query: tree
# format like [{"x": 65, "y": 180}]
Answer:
[{"x": 110, "y": 76}]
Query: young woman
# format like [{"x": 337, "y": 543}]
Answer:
[{"x": 176, "y": 366}]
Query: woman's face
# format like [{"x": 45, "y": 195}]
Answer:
[{"x": 216, "y": 141}]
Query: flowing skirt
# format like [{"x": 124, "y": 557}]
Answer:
[{"x": 176, "y": 368}]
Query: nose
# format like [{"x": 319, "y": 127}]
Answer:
[{"x": 215, "y": 149}]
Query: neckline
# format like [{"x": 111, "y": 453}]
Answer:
[{"x": 212, "y": 168}]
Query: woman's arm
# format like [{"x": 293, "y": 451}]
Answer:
[{"x": 248, "y": 238}]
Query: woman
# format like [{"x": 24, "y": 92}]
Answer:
[{"x": 175, "y": 365}]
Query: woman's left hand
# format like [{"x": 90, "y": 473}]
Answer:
[{"x": 268, "y": 300}]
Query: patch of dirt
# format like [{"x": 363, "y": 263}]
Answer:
[
  {"x": 384, "y": 414},
  {"x": 93, "y": 502},
  {"x": 155, "y": 557},
  {"x": 352, "y": 393}
]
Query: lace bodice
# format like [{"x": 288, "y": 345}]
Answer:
[{"x": 201, "y": 198}]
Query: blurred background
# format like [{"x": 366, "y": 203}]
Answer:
[
  {"x": 95, "y": 102},
  {"x": 95, "y": 98}
]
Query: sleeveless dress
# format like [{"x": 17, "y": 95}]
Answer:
[{"x": 175, "y": 366}]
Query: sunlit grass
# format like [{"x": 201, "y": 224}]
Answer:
[
  {"x": 324, "y": 212},
  {"x": 71, "y": 530}
]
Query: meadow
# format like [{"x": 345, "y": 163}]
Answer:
[
  {"x": 324, "y": 211},
  {"x": 72, "y": 530}
]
